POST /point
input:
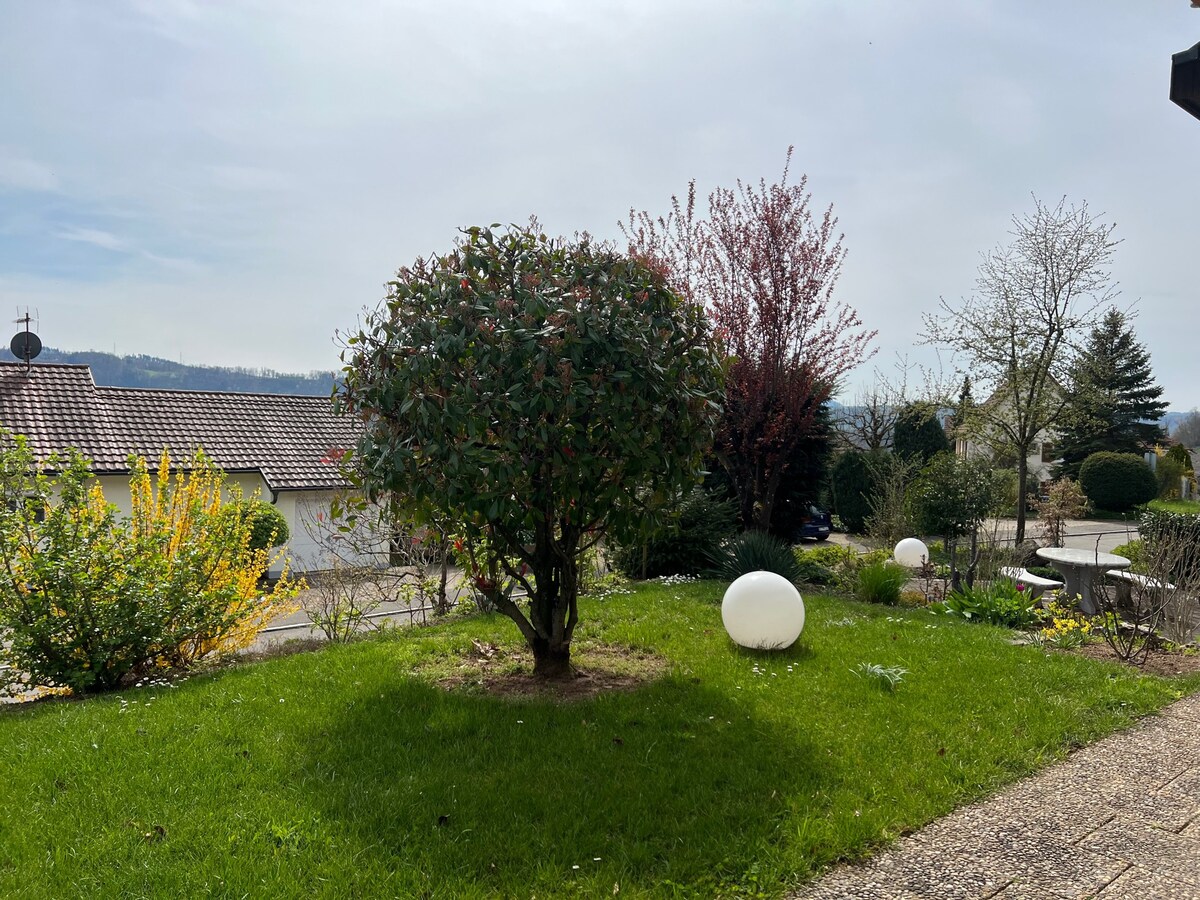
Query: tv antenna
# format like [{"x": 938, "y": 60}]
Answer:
[{"x": 26, "y": 345}]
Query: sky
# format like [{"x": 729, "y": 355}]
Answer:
[{"x": 232, "y": 183}]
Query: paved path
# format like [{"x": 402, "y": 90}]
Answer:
[
  {"x": 1118, "y": 820},
  {"x": 1081, "y": 534}
]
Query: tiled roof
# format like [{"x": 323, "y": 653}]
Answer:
[{"x": 292, "y": 441}]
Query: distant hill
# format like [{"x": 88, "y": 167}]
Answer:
[{"x": 152, "y": 372}]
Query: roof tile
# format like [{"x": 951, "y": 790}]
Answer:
[{"x": 293, "y": 441}]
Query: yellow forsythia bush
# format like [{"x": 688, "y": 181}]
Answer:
[{"x": 88, "y": 599}]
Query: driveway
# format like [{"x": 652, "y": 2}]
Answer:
[{"x": 1081, "y": 534}]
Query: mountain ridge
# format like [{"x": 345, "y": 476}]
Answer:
[{"x": 142, "y": 371}]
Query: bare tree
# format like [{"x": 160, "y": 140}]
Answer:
[
  {"x": 353, "y": 579},
  {"x": 1018, "y": 333},
  {"x": 1187, "y": 430}
]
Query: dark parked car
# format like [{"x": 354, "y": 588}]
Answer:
[{"x": 814, "y": 525}]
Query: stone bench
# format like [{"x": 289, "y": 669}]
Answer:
[
  {"x": 1127, "y": 581},
  {"x": 1036, "y": 584}
]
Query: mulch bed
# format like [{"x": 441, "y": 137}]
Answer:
[
  {"x": 599, "y": 669},
  {"x": 1159, "y": 662}
]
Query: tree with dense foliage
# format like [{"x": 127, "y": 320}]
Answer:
[
  {"x": 536, "y": 393},
  {"x": 1112, "y": 401},
  {"x": 919, "y": 434},
  {"x": 1017, "y": 333},
  {"x": 951, "y": 497},
  {"x": 1117, "y": 482},
  {"x": 765, "y": 266},
  {"x": 853, "y": 484}
]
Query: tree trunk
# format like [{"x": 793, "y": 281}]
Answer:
[
  {"x": 955, "y": 577},
  {"x": 1022, "y": 483},
  {"x": 551, "y": 660}
]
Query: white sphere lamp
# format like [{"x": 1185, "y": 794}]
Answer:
[
  {"x": 763, "y": 611},
  {"x": 911, "y": 552}
]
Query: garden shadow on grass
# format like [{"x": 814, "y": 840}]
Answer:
[{"x": 663, "y": 783}]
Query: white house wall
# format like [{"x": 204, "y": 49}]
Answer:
[
  {"x": 316, "y": 544},
  {"x": 306, "y": 512}
]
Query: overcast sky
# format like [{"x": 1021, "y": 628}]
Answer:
[{"x": 230, "y": 183}]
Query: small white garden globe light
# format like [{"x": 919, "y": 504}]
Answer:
[
  {"x": 911, "y": 552},
  {"x": 763, "y": 611}
]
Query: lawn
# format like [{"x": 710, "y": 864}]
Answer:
[
  {"x": 1187, "y": 507},
  {"x": 351, "y": 772}
]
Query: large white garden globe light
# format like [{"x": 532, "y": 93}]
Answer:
[
  {"x": 912, "y": 553},
  {"x": 763, "y": 611}
]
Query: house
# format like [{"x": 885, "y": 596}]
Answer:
[
  {"x": 1043, "y": 454},
  {"x": 285, "y": 448}
]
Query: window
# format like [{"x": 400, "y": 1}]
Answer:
[{"x": 1049, "y": 452}]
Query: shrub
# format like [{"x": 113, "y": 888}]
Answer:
[
  {"x": 842, "y": 562},
  {"x": 1181, "y": 530},
  {"x": 1167, "y": 475},
  {"x": 756, "y": 551},
  {"x": 86, "y": 599},
  {"x": 999, "y": 602},
  {"x": 881, "y": 582},
  {"x": 813, "y": 572},
  {"x": 684, "y": 547},
  {"x": 1133, "y": 551},
  {"x": 1117, "y": 481},
  {"x": 1179, "y": 454},
  {"x": 1064, "y": 500},
  {"x": 918, "y": 434},
  {"x": 268, "y": 526},
  {"x": 853, "y": 480}
]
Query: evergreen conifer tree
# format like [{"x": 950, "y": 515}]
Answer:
[{"x": 1112, "y": 401}]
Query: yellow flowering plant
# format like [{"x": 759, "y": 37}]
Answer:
[
  {"x": 89, "y": 599},
  {"x": 1062, "y": 625}
]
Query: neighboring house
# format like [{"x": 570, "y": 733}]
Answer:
[
  {"x": 1042, "y": 455},
  {"x": 284, "y": 447},
  {"x": 1040, "y": 461}
]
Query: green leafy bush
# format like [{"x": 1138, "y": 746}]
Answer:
[
  {"x": 813, "y": 572},
  {"x": 1134, "y": 551},
  {"x": 268, "y": 526},
  {"x": 999, "y": 602},
  {"x": 756, "y": 551},
  {"x": 685, "y": 546},
  {"x": 1167, "y": 474},
  {"x": 87, "y": 599},
  {"x": 1180, "y": 529},
  {"x": 853, "y": 482},
  {"x": 843, "y": 563},
  {"x": 1117, "y": 481},
  {"x": 881, "y": 582},
  {"x": 1045, "y": 572}
]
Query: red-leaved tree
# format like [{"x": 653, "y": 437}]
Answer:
[{"x": 765, "y": 267}]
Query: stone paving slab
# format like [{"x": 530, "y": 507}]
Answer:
[
  {"x": 1118, "y": 819},
  {"x": 1140, "y": 884}
]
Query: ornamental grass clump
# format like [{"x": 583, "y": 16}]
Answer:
[
  {"x": 89, "y": 599},
  {"x": 881, "y": 582},
  {"x": 756, "y": 551}
]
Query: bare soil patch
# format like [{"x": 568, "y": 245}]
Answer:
[
  {"x": 508, "y": 672},
  {"x": 1159, "y": 662}
]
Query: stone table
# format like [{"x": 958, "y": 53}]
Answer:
[{"x": 1079, "y": 569}]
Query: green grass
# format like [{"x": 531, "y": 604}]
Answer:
[
  {"x": 348, "y": 772},
  {"x": 1188, "y": 507}
]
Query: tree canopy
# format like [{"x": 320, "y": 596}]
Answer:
[
  {"x": 535, "y": 392},
  {"x": 765, "y": 266},
  {"x": 1112, "y": 401},
  {"x": 1017, "y": 334}
]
